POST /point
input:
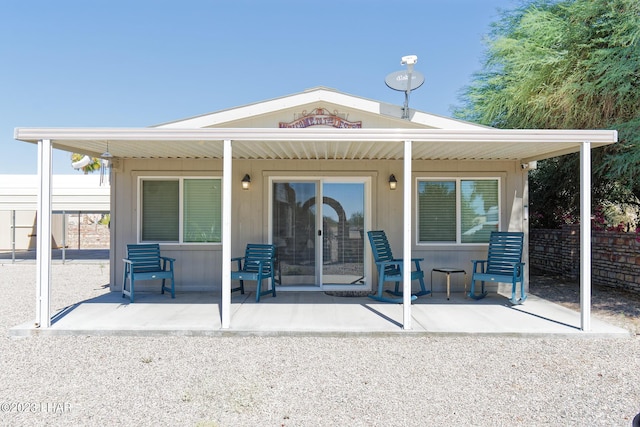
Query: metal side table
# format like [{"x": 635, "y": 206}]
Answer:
[{"x": 449, "y": 272}]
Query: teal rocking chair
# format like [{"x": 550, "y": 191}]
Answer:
[
  {"x": 390, "y": 269},
  {"x": 503, "y": 264},
  {"x": 257, "y": 264}
]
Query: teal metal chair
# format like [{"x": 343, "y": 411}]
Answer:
[
  {"x": 144, "y": 262},
  {"x": 257, "y": 264},
  {"x": 503, "y": 264},
  {"x": 390, "y": 269}
]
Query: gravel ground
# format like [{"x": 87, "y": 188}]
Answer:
[{"x": 309, "y": 381}]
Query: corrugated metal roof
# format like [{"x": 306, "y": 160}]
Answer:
[{"x": 319, "y": 143}]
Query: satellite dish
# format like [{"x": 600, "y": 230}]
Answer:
[
  {"x": 405, "y": 81},
  {"x": 398, "y": 80}
]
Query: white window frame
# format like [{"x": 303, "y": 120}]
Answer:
[
  {"x": 180, "y": 180},
  {"x": 319, "y": 179},
  {"x": 458, "y": 185}
]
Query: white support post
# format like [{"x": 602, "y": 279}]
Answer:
[
  {"x": 64, "y": 235},
  {"x": 406, "y": 237},
  {"x": 43, "y": 238},
  {"x": 585, "y": 236},
  {"x": 13, "y": 236},
  {"x": 226, "y": 235}
]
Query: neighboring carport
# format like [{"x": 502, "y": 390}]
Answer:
[{"x": 70, "y": 195}]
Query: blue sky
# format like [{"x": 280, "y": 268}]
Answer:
[{"x": 126, "y": 63}]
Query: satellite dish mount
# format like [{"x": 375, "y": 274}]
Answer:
[{"x": 405, "y": 81}]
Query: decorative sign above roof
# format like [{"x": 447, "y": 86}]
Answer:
[{"x": 321, "y": 117}]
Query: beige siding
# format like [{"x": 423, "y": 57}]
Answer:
[
  {"x": 199, "y": 266},
  {"x": 369, "y": 120}
]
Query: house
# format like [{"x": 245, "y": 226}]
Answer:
[{"x": 183, "y": 184}]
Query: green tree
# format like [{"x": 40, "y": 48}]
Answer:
[
  {"x": 93, "y": 166},
  {"x": 566, "y": 64},
  {"x": 357, "y": 220}
]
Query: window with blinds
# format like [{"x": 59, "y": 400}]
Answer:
[
  {"x": 200, "y": 219},
  {"x": 457, "y": 210},
  {"x": 160, "y": 210},
  {"x": 437, "y": 211},
  {"x": 479, "y": 210},
  {"x": 202, "y": 210}
]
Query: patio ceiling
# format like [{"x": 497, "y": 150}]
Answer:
[{"x": 319, "y": 143}]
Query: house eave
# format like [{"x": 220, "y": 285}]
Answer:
[{"x": 322, "y": 143}]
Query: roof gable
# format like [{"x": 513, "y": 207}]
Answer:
[{"x": 287, "y": 109}]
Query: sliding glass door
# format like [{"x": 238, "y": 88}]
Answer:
[
  {"x": 320, "y": 244},
  {"x": 293, "y": 231},
  {"x": 343, "y": 233}
]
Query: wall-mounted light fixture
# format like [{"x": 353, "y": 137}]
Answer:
[
  {"x": 246, "y": 182},
  {"x": 393, "y": 182}
]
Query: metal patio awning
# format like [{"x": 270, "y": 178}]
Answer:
[{"x": 319, "y": 143}]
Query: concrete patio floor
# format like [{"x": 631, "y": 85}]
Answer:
[{"x": 316, "y": 313}]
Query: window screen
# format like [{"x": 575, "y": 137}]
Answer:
[
  {"x": 468, "y": 208},
  {"x": 201, "y": 216},
  {"x": 160, "y": 205},
  {"x": 437, "y": 211},
  {"x": 202, "y": 210}
]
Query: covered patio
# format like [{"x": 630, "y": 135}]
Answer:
[
  {"x": 316, "y": 314},
  {"x": 227, "y": 144}
]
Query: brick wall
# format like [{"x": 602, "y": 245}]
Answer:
[
  {"x": 615, "y": 257},
  {"x": 93, "y": 235}
]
